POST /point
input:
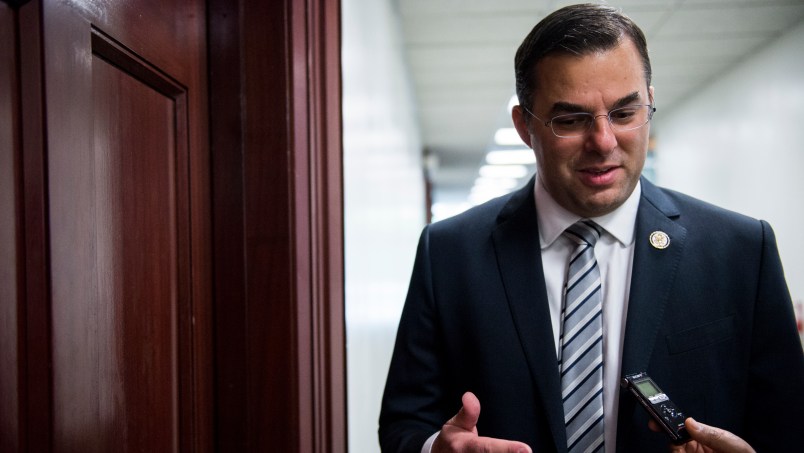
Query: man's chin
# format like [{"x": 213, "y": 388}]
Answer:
[{"x": 600, "y": 204}]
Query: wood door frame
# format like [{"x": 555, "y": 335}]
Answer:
[
  {"x": 277, "y": 225},
  {"x": 35, "y": 393}
]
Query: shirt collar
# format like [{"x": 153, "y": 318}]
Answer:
[{"x": 553, "y": 219}]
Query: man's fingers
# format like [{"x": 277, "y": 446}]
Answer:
[
  {"x": 490, "y": 445},
  {"x": 460, "y": 443},
  {"x": 717, "y": 439}
]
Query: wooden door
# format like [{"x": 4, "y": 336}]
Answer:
[
  {"x": 107, "y": 331},
  {"x": 116, "y": 344}
]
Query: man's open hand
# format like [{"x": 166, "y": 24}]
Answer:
[{"x": 459, "y": 434}]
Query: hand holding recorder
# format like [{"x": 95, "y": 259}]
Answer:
[{"x": 686, "y": 434}]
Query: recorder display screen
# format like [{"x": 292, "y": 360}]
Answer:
[{"x": 647, "y": 388}]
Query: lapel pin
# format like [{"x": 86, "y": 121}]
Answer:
[{"x": 659, "y": 240}]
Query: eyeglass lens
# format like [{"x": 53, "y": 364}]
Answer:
[{"x": 621, "y": 119}]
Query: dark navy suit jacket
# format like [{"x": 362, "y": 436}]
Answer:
[{"x": 709, "y": 318}]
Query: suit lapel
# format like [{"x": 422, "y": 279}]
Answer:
[
  {"x": 516, "y": 243},
  {"x": 654, "y": 271},
  {"x": 652, "y": 276}
]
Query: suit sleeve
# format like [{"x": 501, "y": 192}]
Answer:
[
  {"x": 411, "y": 409},
  {"x": 776, "y": 374}
]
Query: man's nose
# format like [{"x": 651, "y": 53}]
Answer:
[{"x": 601, "y": 136}]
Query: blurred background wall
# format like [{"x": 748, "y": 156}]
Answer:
[{"x": 384, "y": 203}]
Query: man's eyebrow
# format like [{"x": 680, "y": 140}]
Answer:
[
  {"x": 568, "y": 107},
  {"x": 625, "y": 100}
]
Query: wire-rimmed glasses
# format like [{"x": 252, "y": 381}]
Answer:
[{"x": 626, "y": 118}]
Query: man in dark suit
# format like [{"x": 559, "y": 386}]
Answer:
[{"x": 693, "y": 294}]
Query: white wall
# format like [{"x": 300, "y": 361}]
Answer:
[
  {"x": 384, "y": 203},
  {"x": 739, "y": 143}
]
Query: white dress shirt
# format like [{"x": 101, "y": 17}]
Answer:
[{"x": 615, "y": 255}]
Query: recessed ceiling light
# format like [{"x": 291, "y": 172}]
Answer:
[
  {"x": 503, "y": 171},
  {"x": 523, "y": 156},
  {"x": 507, "y": 136}
]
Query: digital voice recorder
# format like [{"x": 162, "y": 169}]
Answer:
[{"x": 658, "y": 405}]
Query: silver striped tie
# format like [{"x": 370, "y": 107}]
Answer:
[{"x": 581, "y": 356}]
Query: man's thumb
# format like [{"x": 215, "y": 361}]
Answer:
[
  {"x": 467, "y": 416},
  {"x": 716, "y": 438}
]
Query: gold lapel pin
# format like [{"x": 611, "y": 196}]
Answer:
[{"x": 659, "y": 240}]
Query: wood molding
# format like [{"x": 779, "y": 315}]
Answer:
[
  {"x": 277, "y": 214},
  {"x": 315, "y": 28},
  {"x": 36, "y": 393},
  {"x": 12, "y": 241}
]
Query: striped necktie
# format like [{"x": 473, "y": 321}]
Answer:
[{"x": 581, "y": 353}]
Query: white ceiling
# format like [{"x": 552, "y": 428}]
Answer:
[{"x": 461, "y": 52}]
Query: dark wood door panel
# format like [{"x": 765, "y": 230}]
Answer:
[
  {"x": 138, "y": 295},
  {"x": 128, "y": 214}
]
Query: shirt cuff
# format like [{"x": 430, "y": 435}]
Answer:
[{"x": 428, "y": 445}]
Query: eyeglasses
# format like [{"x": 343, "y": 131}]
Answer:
[{"x": 625, "y": 118}]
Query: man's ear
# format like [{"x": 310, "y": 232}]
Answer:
[
  {"x": 520, "y": 123},
  {"x": 650, "y": 95}
]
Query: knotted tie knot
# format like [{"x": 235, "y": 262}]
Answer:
[{"x": 583, "y": 232}]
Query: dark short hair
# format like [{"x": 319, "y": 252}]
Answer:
[{"x": 574, "y": 30}]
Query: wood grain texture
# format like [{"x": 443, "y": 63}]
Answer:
[
  {"x": 11, "y": 245},
  {"x": 280, "y": 361},
  {"x": 116, "y": 339},
  {"x": 117, "y": 350}
]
